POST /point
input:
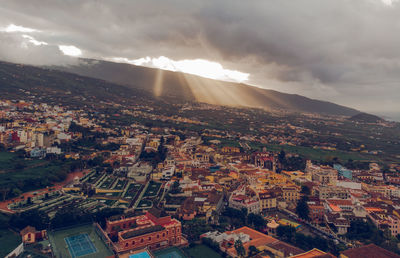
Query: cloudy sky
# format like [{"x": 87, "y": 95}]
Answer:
[{"x": 345, "y": 51}]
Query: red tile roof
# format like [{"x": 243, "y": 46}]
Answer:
[{"x": 369, "y": 251}]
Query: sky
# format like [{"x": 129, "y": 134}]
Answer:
[{"x": 344, "y": 51}]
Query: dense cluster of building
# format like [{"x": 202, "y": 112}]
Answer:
[{"x": 195, "y": 179}]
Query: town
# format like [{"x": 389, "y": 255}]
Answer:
[{"x": 89, "y": 182}]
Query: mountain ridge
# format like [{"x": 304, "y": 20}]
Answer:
[{"x": 188, "y": 87}]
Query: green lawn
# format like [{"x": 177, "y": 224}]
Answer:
[
  {"x": 200, "y": 251},
  {"x": 8, "y": 161},
  {"x": 8, "y": 241},
  {"x": 5, "y": 157},
  {"x": 19, "y": 174}
]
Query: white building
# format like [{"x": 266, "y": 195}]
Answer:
[
  {"x": 168, "y": 172},
  {"x": 53, "y": 150}
]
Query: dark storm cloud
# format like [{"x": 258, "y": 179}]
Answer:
[{"x": 342, "y": 50}]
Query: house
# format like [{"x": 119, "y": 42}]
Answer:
[
  {"x": 314, "y": 253},
  {"x": 291, "y": 193},
  {"x": 265, "y": 160},
  {"x": 326, "y": 175},
  {"x": 203, "y": 203},
  {"x": 341, "y": 223},
  {"x": 331, "y": 192},
  {"x": 394, "y": 225},
  {"x": 154, "y": 230},
  {"x": 267, "y": 200},
  {"x": 168, "y": 172},
  {"x": 31, "y": 235},
  {"x": 281, "y": 249},
  {"x": 249, "y": 237},
  {"x": 317, "y": 212},
  {"x": 245, "y": 198},
  {"x": 252, "y": 205},
  {"x": 228, "y": 149},
  {"x": 368, "y": 251}
]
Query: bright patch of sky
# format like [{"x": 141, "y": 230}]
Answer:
[
  {"x": 16, "y": 28},
  {"x": 389, "y": 2},
  {"x": 200, "y": 67},
  {"x": 34, "y": 41},
  {"x": 70, "y": 50}
]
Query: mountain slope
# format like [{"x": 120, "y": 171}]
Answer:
[
  {"x": 56, "y": 86},
  {"x": 186, "y": 87},
  {"x": 366, "y": 118}
]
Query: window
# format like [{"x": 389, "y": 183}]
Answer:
[
  {"x": 133, "y": 242},
  {"x": 163, "y": 234},
  {"x": 149, "y": 238},
  {"x": 158, "y": 236},
  {"x": 141, "y": 240},
  {"x": 126, "y": 245}
]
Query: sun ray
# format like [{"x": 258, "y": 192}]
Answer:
[{"x": 158, "y": 83}]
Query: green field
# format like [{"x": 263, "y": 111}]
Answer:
[
  {"x": 9, "y": 161},
  {"x": 19, "y": 174},
  {"x": 224, "y": 142},
  {"x": 314, "y": 154},
  {"x": 200, "y": 251},
  {"x": 8, "y": 241}
]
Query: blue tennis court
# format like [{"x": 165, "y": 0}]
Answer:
[{"x": 80, "y": 245}]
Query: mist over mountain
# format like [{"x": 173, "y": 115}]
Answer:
[{"x": 187, "y": 87}]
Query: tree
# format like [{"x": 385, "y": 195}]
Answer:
[
  {"x": 241, "y": 252},
  {"x": 210, "y": 243},
  {"x": 175, "y": 188},
  {"x": 302, "y": 208},
  {"x": 286, "y": 233},
  {"x": 237, "y": 218},
  {"x": 70, "y": 216},
  {"x": 253, "y": 250},
  {"x": 34, "y": 218},
  {"x": 282, "y": 157},
  {"x": 194, "y": 228},
  {"x": 305, "y": 190},
  {"x": 256, "y": 220}
]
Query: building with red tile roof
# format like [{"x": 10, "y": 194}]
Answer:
[{"x": 368, "y": 251}]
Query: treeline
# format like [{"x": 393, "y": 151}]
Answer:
[
  {"x": 367, "y": 232},
  {"x": 291, "y": 163},
  {"x": 65, "y": 217}
]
